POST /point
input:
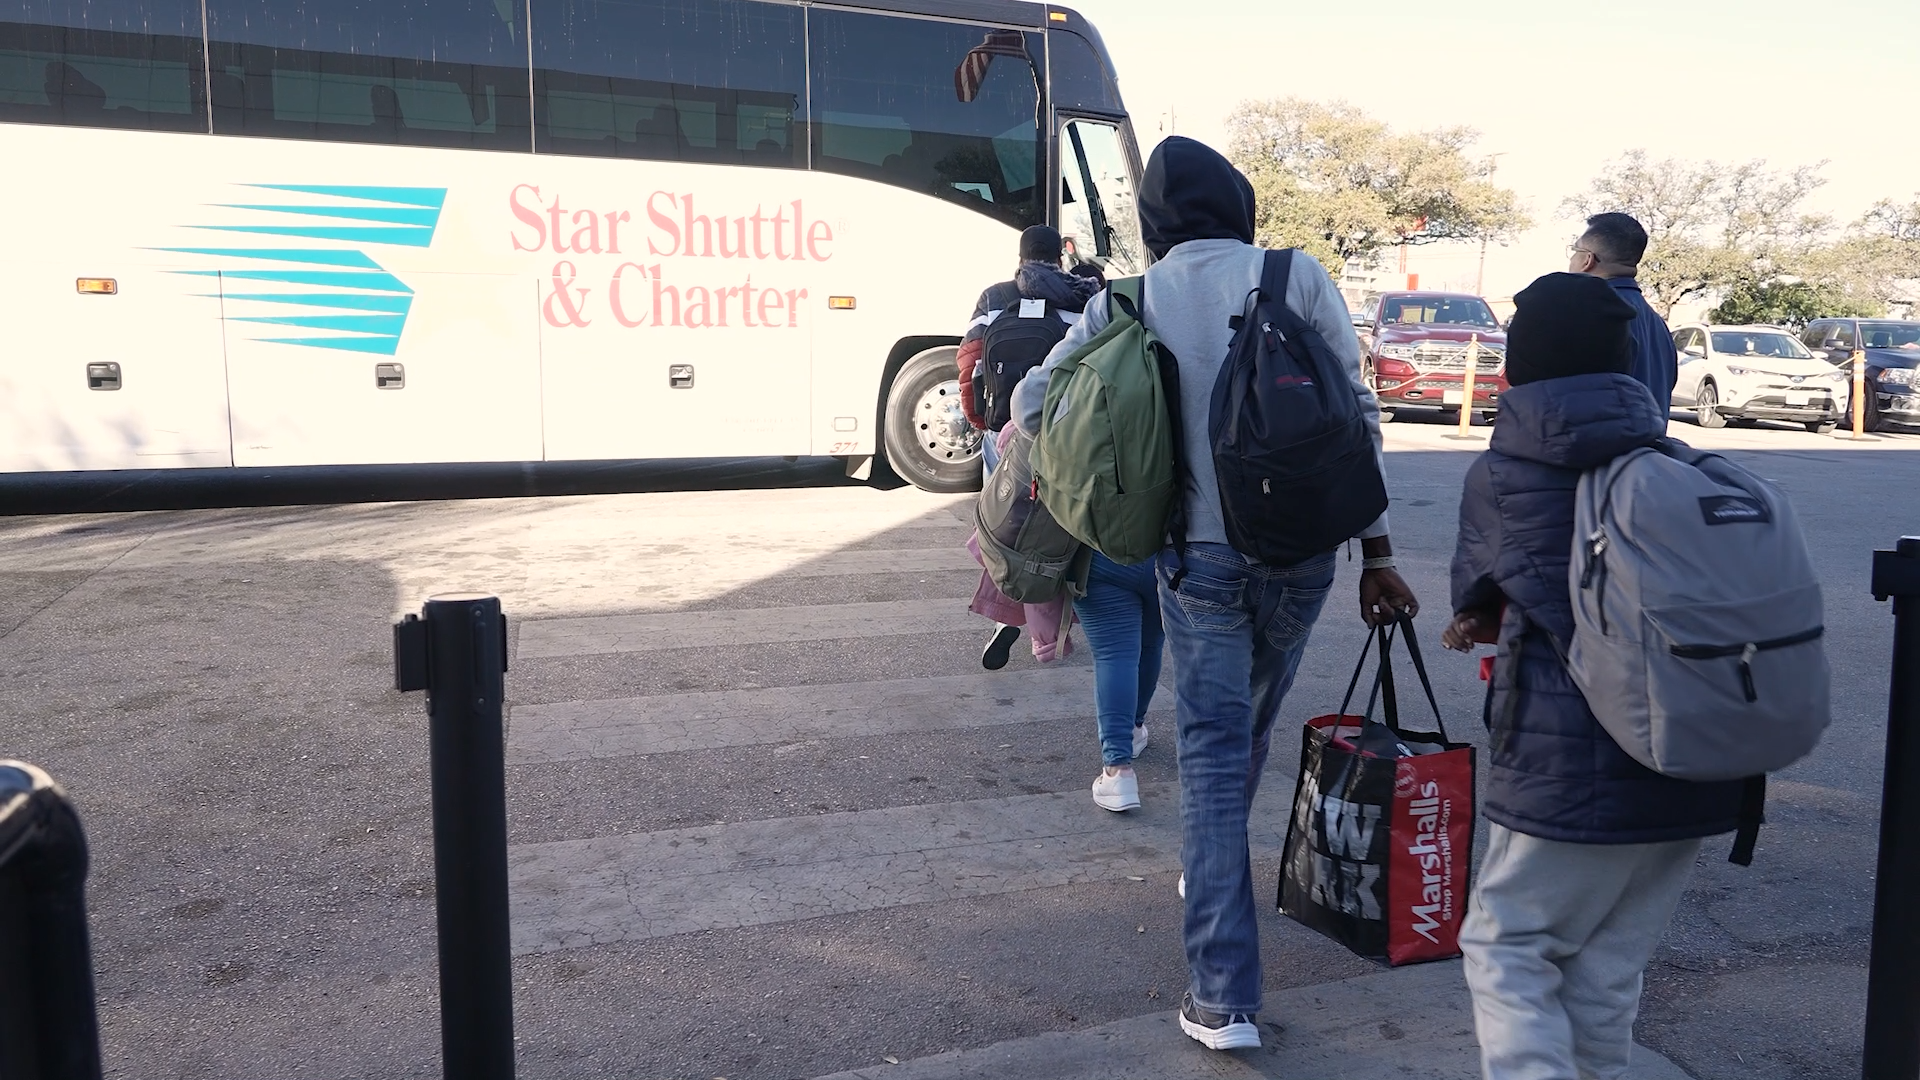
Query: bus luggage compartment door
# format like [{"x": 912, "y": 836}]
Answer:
[
  {"x": 452, "y": 375},
  {"x": 128, "y": 379},
  {"x": 682, "y": 372}
]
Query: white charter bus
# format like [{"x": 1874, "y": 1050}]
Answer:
[{"x": 357, "y": 232}]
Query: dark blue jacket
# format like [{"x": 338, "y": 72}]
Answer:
[
  {"x": 1554, "y": 772},
  {"x": 1656, "y": 363}
]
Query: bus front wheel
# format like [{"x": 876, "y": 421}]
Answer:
[{"x": 929, "y": 442}]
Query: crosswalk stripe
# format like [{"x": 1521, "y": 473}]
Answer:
[
  {"x": 1333, "y": 1029},
  {"x": 900, "y": 561},
  {"x": 575, "y": 893},
  {"x": 603, "y": 634},
  {"x": 667, "y": 723}
]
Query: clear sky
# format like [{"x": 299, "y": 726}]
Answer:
[{"x": 1555, "y": 88}]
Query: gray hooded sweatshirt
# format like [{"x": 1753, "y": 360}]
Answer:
[{"x": 1196, "y": 215}]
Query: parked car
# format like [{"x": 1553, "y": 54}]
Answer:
[
  {"x": 1892, "y": 348},
  {"x": 1414, "y": 351},
  {"x": 1740, "y": 374}
]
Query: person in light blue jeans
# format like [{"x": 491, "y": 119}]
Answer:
[
  {"x": 1231, "y": 677},
  {"x": 1236, "y": 627},
  {"x": 1121, "y": 615}
]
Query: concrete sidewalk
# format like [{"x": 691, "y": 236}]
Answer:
[{"x": 1414, "y": 1022}]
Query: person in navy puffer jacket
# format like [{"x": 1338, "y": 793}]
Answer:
[{"x": 1589, "y": 851}]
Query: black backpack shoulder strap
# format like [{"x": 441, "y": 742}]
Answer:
[
  {"x": 1276, "y": 275},
  {"x": 1275, "y": 268},
  {"x": 1753, "y": 814}
]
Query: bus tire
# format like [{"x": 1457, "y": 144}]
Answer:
[{"x": 928, "y": 440}]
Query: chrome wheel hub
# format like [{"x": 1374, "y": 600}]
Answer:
[{"x": 941, "y": 425}]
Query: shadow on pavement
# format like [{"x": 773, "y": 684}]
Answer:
[{"x": 123, "y": 491}]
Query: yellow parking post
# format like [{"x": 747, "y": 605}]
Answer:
[
  {"x": 1859, "y": 393},
  {"x": 1466, "y": 389}
]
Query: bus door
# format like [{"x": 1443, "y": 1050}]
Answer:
[
  {"x": 423, "y": 367},
  {"x": 110, "y": 372},
  {"x": 1099, "y": 222}
]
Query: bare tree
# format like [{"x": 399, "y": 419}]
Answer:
[{"x": 1712, "y": 227}]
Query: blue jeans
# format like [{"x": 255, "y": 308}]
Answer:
[
  {"x": 989, "y": 454},
  {"x": 1121, "y": 615},
  {"x": 1229, "y": 677}
]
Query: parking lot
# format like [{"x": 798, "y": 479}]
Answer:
[{"x": 768, "y": 818}]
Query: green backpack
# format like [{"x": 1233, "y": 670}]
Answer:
[{"x": 1105, "y": 459}]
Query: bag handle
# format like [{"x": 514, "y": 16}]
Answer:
[
  {"x": 1383, "y": 691},
  {"x": 1354, "y": 683},
  {"x": 1420, "y": 668}
]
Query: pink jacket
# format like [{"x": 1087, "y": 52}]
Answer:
[{"x": 1047, "y": 624}]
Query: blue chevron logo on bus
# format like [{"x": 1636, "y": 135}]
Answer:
[{"x": 339, "y": 291}]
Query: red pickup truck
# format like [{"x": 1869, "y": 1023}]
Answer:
[{"x": 1414, "y": 351}]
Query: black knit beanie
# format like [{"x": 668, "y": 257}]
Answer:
[
  {"x": 1568, "y": 324},
  {"x": 1040, "y": 243}
]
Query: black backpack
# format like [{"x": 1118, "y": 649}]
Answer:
[
  {"x": 1293, "y": 454},
  {"x": 1014, "y": 344}
]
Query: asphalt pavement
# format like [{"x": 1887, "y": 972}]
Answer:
[{"x": 768, "y": 818}]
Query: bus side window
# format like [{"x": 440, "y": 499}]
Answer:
[
  {"x": 423, "y": 73},
  {"x": 717, "y": 81},
  {"x": 944, "y": 109},
  {"x": 104, "y": 63}
]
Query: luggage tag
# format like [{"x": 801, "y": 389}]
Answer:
[{"x": 1033, "y": 309}]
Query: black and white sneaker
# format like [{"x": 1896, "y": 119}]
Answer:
[
  {"x": 1217, "y": 1032},
  {"x": 999, "y": 647}
]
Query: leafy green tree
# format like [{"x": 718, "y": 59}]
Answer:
[
  {"x": 1790, "y": 303},
  {"x": 1341, "y": 185}
]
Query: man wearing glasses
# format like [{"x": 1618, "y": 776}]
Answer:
[{"x": 1611, "y": 249}]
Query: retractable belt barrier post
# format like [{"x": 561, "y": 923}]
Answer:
[
  {"x": 1893, "y": 972},
  {"x": 48, "y": 1028},
  {"x": 456, "y": 650}
]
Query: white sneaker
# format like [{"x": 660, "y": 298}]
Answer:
[
  {"x": 1182, "y": 886},
  {"x": 1139, "y": 739},
  {"x": 1116, "y": 791},
  {"x": 1216, "y": 1032}
]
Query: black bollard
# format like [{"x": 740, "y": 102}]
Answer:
[
  {"x": 48, "y": 1027},
  {"x": 1893, "y": 972},
  {"x": 457, "y": 652}
]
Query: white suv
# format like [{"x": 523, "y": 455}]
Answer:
[{"x": 1748, "y": 373}]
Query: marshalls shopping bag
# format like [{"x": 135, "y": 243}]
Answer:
[{"x": 1381, "y": 839}]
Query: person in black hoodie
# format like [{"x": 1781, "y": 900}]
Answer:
[
  {"x": 1038, "y": 277},
  {"x": 1230, "y": 675},
  {"x": 1589, "y": 850}
]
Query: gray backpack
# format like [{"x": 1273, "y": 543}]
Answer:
[
  {"x": 1028, "y": 555},
  {"x": 1697, "y": 616}
]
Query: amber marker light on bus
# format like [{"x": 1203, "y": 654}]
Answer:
[
  {"x": 1057, "y": 16},
  {"x": 840, "y": 303},
  {"x": 98, "y": 286}
]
